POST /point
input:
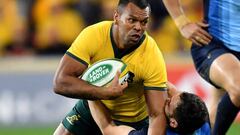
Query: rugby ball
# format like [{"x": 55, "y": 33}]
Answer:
[{"x": 103, "y": 72}]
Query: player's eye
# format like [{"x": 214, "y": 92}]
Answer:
[
  {"x": 131, "y": 20},
  {"x": 144, "y": 22}
]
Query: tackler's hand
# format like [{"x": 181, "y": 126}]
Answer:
[{"x": 196, "y": 33}]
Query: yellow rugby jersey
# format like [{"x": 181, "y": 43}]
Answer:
[{"x": 144, "y": 60}]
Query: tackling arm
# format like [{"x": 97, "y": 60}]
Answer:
[
  {"x": 171, "y": 90},
  {"x": 155, "y": 102},
  {"x": 104, "y": 121}
]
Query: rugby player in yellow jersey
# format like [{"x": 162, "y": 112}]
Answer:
[{"x": 134, "y": 104}]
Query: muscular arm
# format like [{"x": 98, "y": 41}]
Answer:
[
  {"x": 155, "y": 102},
  {"x": 104, "y": 121},
  {"x": 195, "y": 32},
  {"x": 68, "y": 83},
  {"x": 174, "y": 8}
]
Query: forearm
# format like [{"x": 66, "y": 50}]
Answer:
[
  {"x": 100, "y": 114},
  {"x": 175, "y": 10},
  {"x": 157, "y": 124},
  {"x": 174, "y": 7},
  {"x": 74, "y": 87},
  {"x": 155, "y": 103},
  {"x": 171, "y": 89},
  {"x": 104, "y": 121}
]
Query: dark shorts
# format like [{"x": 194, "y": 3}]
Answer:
[
  {"x": 203, "y": 56},
  {"x": 79, "y": 121}
]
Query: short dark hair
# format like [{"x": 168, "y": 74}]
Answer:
[
  {"x": 190, "y": 114},
  {"x": 142, "y": 4}
]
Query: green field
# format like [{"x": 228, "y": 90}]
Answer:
[
  {"x": 235, "y": 129},
  {"x": 27, "y": 130}
]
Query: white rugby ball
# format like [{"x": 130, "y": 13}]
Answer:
[{"x": 103, "y": 72}]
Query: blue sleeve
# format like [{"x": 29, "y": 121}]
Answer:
[
  {"x": 204, "y": 130},
  {"x": 142, "y": 131}
]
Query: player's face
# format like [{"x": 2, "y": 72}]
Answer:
[
  {"x": 132, "y": 22},
  {"x": 171, "y": 104}
]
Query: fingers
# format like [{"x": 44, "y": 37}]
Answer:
[
  {"x": 201, "y": 36},
  {"x": 201, "y": 40},
  {"x": 115, "y": 81},
  {"x": 196, "y": 42},
  {"x": 202, "y": 24},
  {"x": 114, "y": 89},
  {"x": 124, "y": 85},
  {"x": 116, "y": 77}
]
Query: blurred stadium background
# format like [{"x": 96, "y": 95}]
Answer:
[{"x": 34, "y": 34}]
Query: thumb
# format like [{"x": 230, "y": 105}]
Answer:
[
  {"x": 202, "y": 24},
  {"x": 124, "y": 85},
  {"x": 116, "y": 77}
]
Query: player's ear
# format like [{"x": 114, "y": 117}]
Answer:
[
  {"x": 116, "y": 17},
  {"x": 173, "y": 123}
]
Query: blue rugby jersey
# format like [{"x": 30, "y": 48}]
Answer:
[
  {"x": 223, "y": 17},
  {"x": 204, "y": 130}
]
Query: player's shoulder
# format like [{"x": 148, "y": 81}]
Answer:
[
  {"x": 149, "y": 37},
  {"x": 150, "y": 47},
  {"x": 100, "y": 25},
  {"x": 150, "y": 42},
  {"x": 98, "y": 31}
]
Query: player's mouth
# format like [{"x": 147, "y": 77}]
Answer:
[{"x": 135, "y": 37}]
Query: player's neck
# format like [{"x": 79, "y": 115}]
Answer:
[{"x": 116, "y": 38}]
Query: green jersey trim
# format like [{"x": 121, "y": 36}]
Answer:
[
  {"x": 76, "y": 58},
  {"x": 155, "y": 88}
]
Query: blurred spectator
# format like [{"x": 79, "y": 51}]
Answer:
[
  {"x": 12, "y": 29},
  {"x": 18, "y": 45},
  {"x": 108, "y": 9},
  {"x": 57, "y": 25},
  {"x": 159, "y": 13},
  {"x": 91, "y": 10},
  {"x": 50, "y": 26}
]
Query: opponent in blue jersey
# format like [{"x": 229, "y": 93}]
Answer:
[
  {"x": 215, "y": 52},
  {"x": 186, "y": 114}
]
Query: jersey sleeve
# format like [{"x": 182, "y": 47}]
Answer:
[
  {"x": 156, "y": 74},
  {"x": 205, "y": 129},
  {"x": 85, "y": 45}
]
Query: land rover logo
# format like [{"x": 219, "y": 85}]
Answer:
[{"x": 99, "y": 72}]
